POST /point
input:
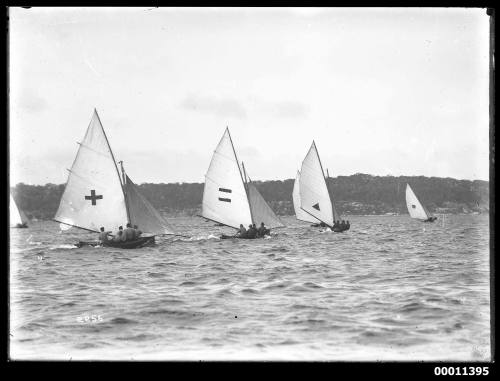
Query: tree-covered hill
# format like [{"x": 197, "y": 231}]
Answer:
[{"x": 356, "y": 194}]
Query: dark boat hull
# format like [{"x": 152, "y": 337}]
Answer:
[
  {"x": 223, "y": 236},
  {"x": 21, "y": 226},
  {"x": 431, "y": 219},
  {"x": 135, "y": 244}
]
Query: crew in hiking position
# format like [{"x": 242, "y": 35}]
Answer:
[
  {"x": 119, "y": 235},
  {"x": 103, "y": 235},
  {"x": 242, "y": 232},
  {"x": 128, "y": 233},
  {"x": 263, "y": 230},
  {"x": 252, "y": 231},
  {"x": 137, "y": 232}
]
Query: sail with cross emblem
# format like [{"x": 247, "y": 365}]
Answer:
[
  {"x": 224, "y": 195},
  {"x": 415, "y": 208},
  {"x": 314, "y": 195},
  {"x": 93, "y": 196}
]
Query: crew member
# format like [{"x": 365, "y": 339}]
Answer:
[
  {"x": 119, "y": 234},
  {"x": 103, "y": 235},
  {"x": 261, "y": 232},
  {"x": 242, "y": 231},
  {"x": 251, "y": 232},
  {"x": 137, "y": 232},
  {"x": 128, "y": 233}
]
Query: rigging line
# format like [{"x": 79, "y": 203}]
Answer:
[
  {"x": 331, "y": 227},
  {"x": 245, "y": 184},
  {"x": 113, "y": 157},
  {"x": 235, "y": 156},
  {"x": 79, "y": 227},
  {"x": 229, "y": 226}
]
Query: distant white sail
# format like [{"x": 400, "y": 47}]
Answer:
[
  {"x": 142, "y": 213},
  {"x": 261, "y": 211},
  {"x": 17, "y": 217},
  {"x": 415, "y": 208},
  {"x": 93, "y": 196},
  {"x": 299, "y": 213},
  {"x": 224, "y": 196},
  {"x": 314, "y": 196}
]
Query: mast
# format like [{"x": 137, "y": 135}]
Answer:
[
  {"x": 124, "y": 181},
  {"x": 234, "y": 151},
  {"x": 246, "y": 190},
  {"x": 319, "y": 159},
  {"x": 114, "y": 161},
  {"x": 327, "y": 180},
  {"x": 242, "y": 178},
  {"x": 107, "y": 141},
  {"x": 336, "y": 215}
]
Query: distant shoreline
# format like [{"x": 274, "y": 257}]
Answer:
[{"x": 356, "y": 195}]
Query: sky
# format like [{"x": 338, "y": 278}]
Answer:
[{"x": 383, "y": 91}]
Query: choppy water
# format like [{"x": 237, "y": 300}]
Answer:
[{"x": 389, "y": 289}]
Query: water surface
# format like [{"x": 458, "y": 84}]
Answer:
[{"x": 391, "y": 288}]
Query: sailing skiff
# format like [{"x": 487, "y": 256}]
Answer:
[
  {"x": 97, "y": 196},
  {"x": 229, "y": 196},
  {"x": 311, "y": 197},
  {"x": 415, "y": 208},
  {"x": 17, "y": 217}
]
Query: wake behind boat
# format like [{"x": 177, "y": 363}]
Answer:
[
  {"x": 311, "y": 196},
  {"x": 96, "y": 197},
  {"x": 229, "y": 196},
  {"x": 415, "y": 208}
]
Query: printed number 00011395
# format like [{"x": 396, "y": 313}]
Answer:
[{"x": 461, "y": 371}]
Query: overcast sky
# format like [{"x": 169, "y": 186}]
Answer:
[{"x": 381, "y": 91}]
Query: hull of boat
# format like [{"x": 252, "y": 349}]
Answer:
[
  {"x": 135, "y": 244},
  {"x": 430, "y": 219},
  {"x": 223, "y": 236},
  {"x": 21, "y": 226}
]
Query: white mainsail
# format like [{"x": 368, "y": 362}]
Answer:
[
  {"x": 415, "y": 208},
  {"x": 225, "y": 198},
  {"x": 93, "y": 196},
  {"x": 299, "y": 213},
  {"x": 314, "y": 196},
  {"x": 16, "y": 216}
]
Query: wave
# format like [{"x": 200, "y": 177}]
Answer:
[
  {"x": 249, "y": 291},
  {"x": 202, "y": 237},
  {"x": 63, "y": 246},
  {"x": 121, "y": 320}
]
